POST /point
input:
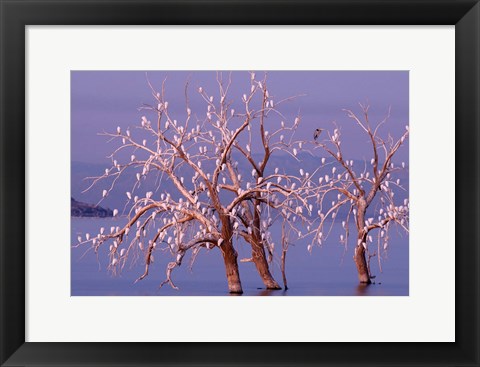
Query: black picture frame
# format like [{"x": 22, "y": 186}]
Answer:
[{"x": 17, "y": 14}]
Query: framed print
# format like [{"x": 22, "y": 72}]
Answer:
[{"x": 80, "y": 259}]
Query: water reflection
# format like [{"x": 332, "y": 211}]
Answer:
[{"x": 362, "y": 289}]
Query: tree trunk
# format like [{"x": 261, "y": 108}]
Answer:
[
  {"x": 231, "y": 268},
  {"x": 361, "y": 263},
  {"x": 230, "y": 257},
  {"x": 359, "y": 256},
  {"x": 260, "y": 260}
]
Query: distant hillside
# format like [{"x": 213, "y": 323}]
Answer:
[{"x": 79, "y": 209}]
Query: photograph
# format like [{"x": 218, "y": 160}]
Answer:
[{"x": 244, "y": 182}]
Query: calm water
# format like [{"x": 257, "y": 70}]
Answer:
[{"x": 327, "y": 271}]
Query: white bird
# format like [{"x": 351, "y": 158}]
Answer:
[
  {"x": 105, "y": 192},
  {"x": 115, "y": 212}
]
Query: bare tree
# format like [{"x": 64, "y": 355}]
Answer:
[
  {"x": 213, "y": 202},
  {"x": 352, "y": 190}
]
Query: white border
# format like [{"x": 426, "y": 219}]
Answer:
[{"x": 426, "y": 315}]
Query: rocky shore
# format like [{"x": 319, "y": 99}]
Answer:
[{"x": 79, "y": 209}]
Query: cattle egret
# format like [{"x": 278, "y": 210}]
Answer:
[
  {"x": 114, "y": 261},
  {"x": 115, "y": 212},
  {"x": 301, "y": 172},
  {"x": 119, "y": 130},
  {"x": 294, "y": 151},
  {"x": 105, "y": 192}
]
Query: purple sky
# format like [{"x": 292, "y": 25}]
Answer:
[{"x": 103, "y": 100}]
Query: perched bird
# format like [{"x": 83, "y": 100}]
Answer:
[{"x": 317, "y": 133}]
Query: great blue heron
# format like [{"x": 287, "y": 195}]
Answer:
[{"x": 317, "y": 133}]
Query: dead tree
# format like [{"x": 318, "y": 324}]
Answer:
[
  {"x": 355, "y": 188},
  {"x": 214, "y": 202}
]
